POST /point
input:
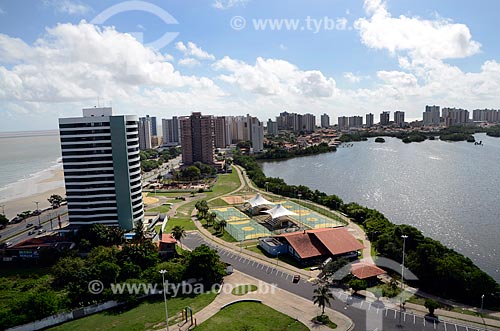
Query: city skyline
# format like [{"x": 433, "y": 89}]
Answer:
[{"x": 60, "y": 62}]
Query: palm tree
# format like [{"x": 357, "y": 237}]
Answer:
[
  {"x": 222, "y": 224},
  {"x": 322, "y": 296},
  {"x": 211, "y": 218},
  {"x": 178, "y": 233}
]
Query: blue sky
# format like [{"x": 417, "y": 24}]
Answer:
[{"x": 380, "y": 55}]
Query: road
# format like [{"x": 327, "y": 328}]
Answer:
[
  {"x": 20, "y": 231},
  {"x": 380, "y": 318}
]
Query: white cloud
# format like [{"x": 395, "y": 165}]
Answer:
[
  {"x": 351, "y": 77},
  {"x": 437, "y": 39},
  {"x": 397, "y": 78},
  {"x": 226, "y": 4},
  {"x": 275, "y": 77},
  {"x": 69, "y": 7},
  {"x": 81, "y": 62},
  {"x": 2, "y": 12},
  {"x": 283, "y": 47},
  {"x": 189, "y": 62},
  {"x": 194, "y": 51}
]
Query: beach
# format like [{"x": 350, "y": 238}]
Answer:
[{"x": 21, "y": 195}]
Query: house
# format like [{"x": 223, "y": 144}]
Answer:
[
  {"x": 313, "y": 246},
  {"x": 367, "y": 272},
  {"x": 166, "y": 245},
  {"x": 31, "y": 248}
]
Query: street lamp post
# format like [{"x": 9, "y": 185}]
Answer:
[
  {"x": 482, "y": 302},
  {"x": 38, "y": 212},
  {"x": 163, "y": 272},
  {"x": 402, "y": 279}
]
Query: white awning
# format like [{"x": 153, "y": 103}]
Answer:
[
  {"x": 258, "y": 200},
  {"x": 279, "y": 211}
]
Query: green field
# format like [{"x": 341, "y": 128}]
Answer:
[
  {"x": 257, "y": 317},
  {"x": 163, "y": 209},
  {"x": 148, "y": 315}
]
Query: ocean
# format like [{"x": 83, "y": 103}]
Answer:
[{"x": 27, "y": 158}]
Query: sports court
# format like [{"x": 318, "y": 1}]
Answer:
[
  {"x": 308, "y": 217},
  {"x": 239, "y": 225}
]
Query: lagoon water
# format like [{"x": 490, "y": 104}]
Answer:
[{"x": 448, "y": 190}]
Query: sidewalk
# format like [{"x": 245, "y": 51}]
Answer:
[{"x": 285, "y": 302}]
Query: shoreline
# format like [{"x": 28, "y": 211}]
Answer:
[{"x": 20, "y": 196}]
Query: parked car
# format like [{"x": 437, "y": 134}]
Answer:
[
  {"x": 38, "y": 227},
  {"x": 36, "y": 212},
  {"x": 41, "y": 231},
  {"x": 29, "y": 225},
  {"x": 296, "y": 279},
  {"x": 32, "y": 232},
  {"x": 16, "y": 219}
]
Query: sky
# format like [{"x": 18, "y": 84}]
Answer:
[{"x": 236, "y": 57}]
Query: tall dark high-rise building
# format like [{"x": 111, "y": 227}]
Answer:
[
  {"x": 102, "y": 168},
  {"x": 385, "y": 118},
  {"x": 369, "y": 120},
  {"x": 197, "y": 139}
]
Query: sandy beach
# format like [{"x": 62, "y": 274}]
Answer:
[{"x": 21, "y": 195}]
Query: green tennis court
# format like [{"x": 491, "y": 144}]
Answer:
[
  {"x": 309, "y": 218},
  {"x": 239, "y": 225}
]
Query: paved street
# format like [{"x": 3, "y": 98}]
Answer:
[{"x": 380, "y": 318}]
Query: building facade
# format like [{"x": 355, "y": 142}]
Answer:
[
  {"x": 102, "y": 168},
  {"x": 385, "y": 118},
  {"x": 485, "y": 115},
  {"x": 355, "y": 121},
  {"x": 343, "y": 123},
  {"x": 145, "y": 133},
  {"x": 171, "y": 131},
  {"x": 325, "y": 121},
  {"x": 197, "y": 139},
  {"x": 431, "y": 116},
  {"x": 369, "y": 120},
  {"x": 399, "y": 118},
  {"x": 272, "y": 127},
  {"x": 454, "y": 116}
]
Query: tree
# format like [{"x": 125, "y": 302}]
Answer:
[
  {"x": 202, "y": 207},
  {"x": 55, "y": 201},
  {"x": 139, "y": 235},
  {"x": 205, "y": 263},
  {"x": 322, "y": 296},
  {"x": 335, "y": 265},
  {"x": 3, "y": 221},
  {"x": 211, "y": 218},
  {"x": 37, "y": 304},
  {"x": 145, "y": 255},
  {"x": 192, "y": 172},
  {"x": 178, "y": 233},
  {"x": 357, "y": 285},
  {"x": 67, "y": 270},
  {"x": 222, "y": 224},
  {"x": 431, "y": 305}
]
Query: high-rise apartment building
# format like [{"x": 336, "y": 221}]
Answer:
[
  {"x": 325, "y": 121},
  {"x": 220, "y": 128},
  {"x": 272, "y": 127},
  {"x": 355, "y": 121},
  {"x": 385, "y": 118},
  {"x": 343, "y": 123},
  {"x": 399, "y": 118},
  {"x": 145, "y": 133},
  {"x": 369, "y": 120},
  {"x": 431, "y": 116},
  {"x": 171, "y": 131},
  {"x": 454, "y": 116},
  {"x": 102, "y": 168},
  {"x": 154, "y": 127},
  {"x": 197, "y": 139},
  {"x": 485, "y": 115}
]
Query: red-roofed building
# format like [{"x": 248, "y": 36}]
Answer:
[
  {"x": 367, "y": 272},
  {"x": 318, "y": 244},
  {"x": 166, "y": 245},
  {"x": 31, "y": 248}
]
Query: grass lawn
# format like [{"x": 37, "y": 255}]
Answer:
[
  {"x": 169, "y": 194},
  {"x": 163, "y": 209},
  {"x": 250, "y": 316},
  {"x": 148, "y": 315},
  {"x": 186, "y": 223},
  {"x": 243, "y": 289},
  {"x": 217, "y": 203},
  {"x": 224, "y": 235}
]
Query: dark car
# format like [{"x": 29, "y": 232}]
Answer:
[
  {"x": 296, "y": 279},
  {"x": 37, "y": 227},
  {"x": 16, "y": 219},
  {"x": 32, "y": 232},
  {"x": 36, "y": 212},
  {"x": 41, "y": 231},
  {"x": 29, "y": 225}
]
